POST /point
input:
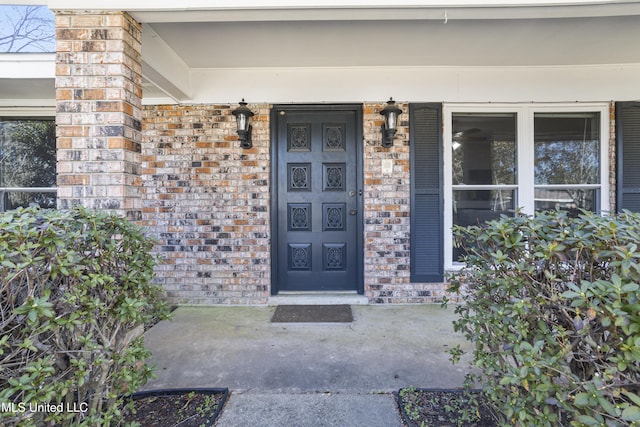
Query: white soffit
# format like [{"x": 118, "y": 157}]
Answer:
[{"x": 583, "y": 41}]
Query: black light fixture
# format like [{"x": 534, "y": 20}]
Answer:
[
  {"x": 243, "y": 120},
  {"x": 390, "y": 125}
]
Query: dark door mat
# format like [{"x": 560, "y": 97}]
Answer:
[{"x": 312, "y": 313}]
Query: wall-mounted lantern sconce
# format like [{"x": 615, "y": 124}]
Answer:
[
  {"x": 390, "y": 125},
  {"x": 243, "y": 120}
]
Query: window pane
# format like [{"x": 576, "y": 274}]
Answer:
[
  {"x": 567, "y": 148},
  {"x": 567, "y": 199},
  {"x": 484, "y": 149},
  {"x": 13, "y": 200},
  {"x": 27, "y": 153},
  {"x": 473, "y": 207}
]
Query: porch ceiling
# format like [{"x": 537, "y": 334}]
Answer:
[
  {"x": 492, "y": 42},
  {"x": 179, "y": 43}
]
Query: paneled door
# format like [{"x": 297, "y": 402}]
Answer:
[{"x": 317, "y": 186}]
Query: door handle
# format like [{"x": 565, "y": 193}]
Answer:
[{"x": 353, "y": 212}]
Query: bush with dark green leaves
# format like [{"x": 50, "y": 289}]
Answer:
[
  {"x": 551, "y": 307},
  {"x": 75, "y": 291}
]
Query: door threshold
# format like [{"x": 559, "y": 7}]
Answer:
[{"x": 318, "y": 298}]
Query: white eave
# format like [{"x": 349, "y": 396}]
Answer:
[
  {"x": 27, "y": 80},
  {"x": 27, "y": 65}
]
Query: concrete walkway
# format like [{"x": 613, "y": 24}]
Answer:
[{"x": 307, "y": 374}]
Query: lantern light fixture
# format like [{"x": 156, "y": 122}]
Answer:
[
  {"x": 390, "y": 125},
  {"x": 243, "y": 120}
]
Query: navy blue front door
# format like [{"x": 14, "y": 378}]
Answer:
[{"x": 318, "y": 198}]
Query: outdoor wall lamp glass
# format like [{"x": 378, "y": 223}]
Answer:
[
  {"x": 243, "y": 120},
  {"x": 390, "y": 125}
]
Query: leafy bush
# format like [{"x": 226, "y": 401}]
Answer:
[
  {"x": 75, "y": 291},
  {"x": 551, "y": 305}
]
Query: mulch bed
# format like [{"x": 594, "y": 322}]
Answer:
[
  {"x": 443, "y": 408},
  {"x": 177, "y": 407}
]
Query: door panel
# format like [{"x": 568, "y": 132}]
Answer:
[{"x": 317, "y": 200}]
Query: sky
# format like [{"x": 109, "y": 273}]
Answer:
[{"x": 40, "y": 25}]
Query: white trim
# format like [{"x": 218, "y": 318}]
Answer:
[
  {"x": 408, "y": 83},
  {"x": 525, "y": 193},
  {"x": 199, "y": 10},
  {"x": 27, "y": 65},
  {"x": 417, "y": 84},
  {"x": 305, "y": 4},
  {"x": 27, "y": 111}
]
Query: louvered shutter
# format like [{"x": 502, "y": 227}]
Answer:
[
  {"x": 628, "y": 155},
  {"x": 426, "y": 193}
]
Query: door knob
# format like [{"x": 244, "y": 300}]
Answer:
[
  {"x": 352, "y": 193},
  {"x": 353, "y": 212}
]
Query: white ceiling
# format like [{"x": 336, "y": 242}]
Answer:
[{"x": 521, "y": 42}]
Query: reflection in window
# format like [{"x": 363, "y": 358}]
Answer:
[
  {"x": 483, "y": 167},
  {"x": 27, "y": 163},
  {"x": 569, "y": 199},
  {"x": 484, "y": 149},
  {"x": 506, "y": 158},
  {"x": 567, "y": 161},
  {"x": 473, "y": 207}
]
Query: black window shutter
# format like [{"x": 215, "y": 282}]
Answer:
[
  {"x": 425, "y": 128},
  {"x": 628, "y": 155}
]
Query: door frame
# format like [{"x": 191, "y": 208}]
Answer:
[{"x": 319, "y": 108}]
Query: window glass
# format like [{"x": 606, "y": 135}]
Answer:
[
  {"x": 484, "y": 159},
  {"x": 473, "y": 207},
  {"x": 569, "y": 199},
  {"x": 484, "y": 149},
  {"x": 567, "y": 148},
  {"x": 531, "y": 157},
  {"x": 27, "y": 163},
  {"x": 567, "y": 160}
]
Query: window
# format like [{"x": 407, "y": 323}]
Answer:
[
  {"x": 498, "y": 158},
  {"x": 27, "y": 162}
]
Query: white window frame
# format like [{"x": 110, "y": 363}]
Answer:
[
  {"x": 21, "y": 113},
  {"x": 525, "y": 156}
]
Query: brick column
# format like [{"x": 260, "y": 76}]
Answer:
[{"x": 98, "y": 96}]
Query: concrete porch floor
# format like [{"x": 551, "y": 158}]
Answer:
[{"x": 288, "y": 369}]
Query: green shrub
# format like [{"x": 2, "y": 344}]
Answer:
[
  {"x": 75, "y": 292},
  {"x": 551, "y": 305}
]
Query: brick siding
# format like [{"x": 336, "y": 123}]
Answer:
[
  {"x": 207, "y": 202},
  {"x": 98, "y": 117}
]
